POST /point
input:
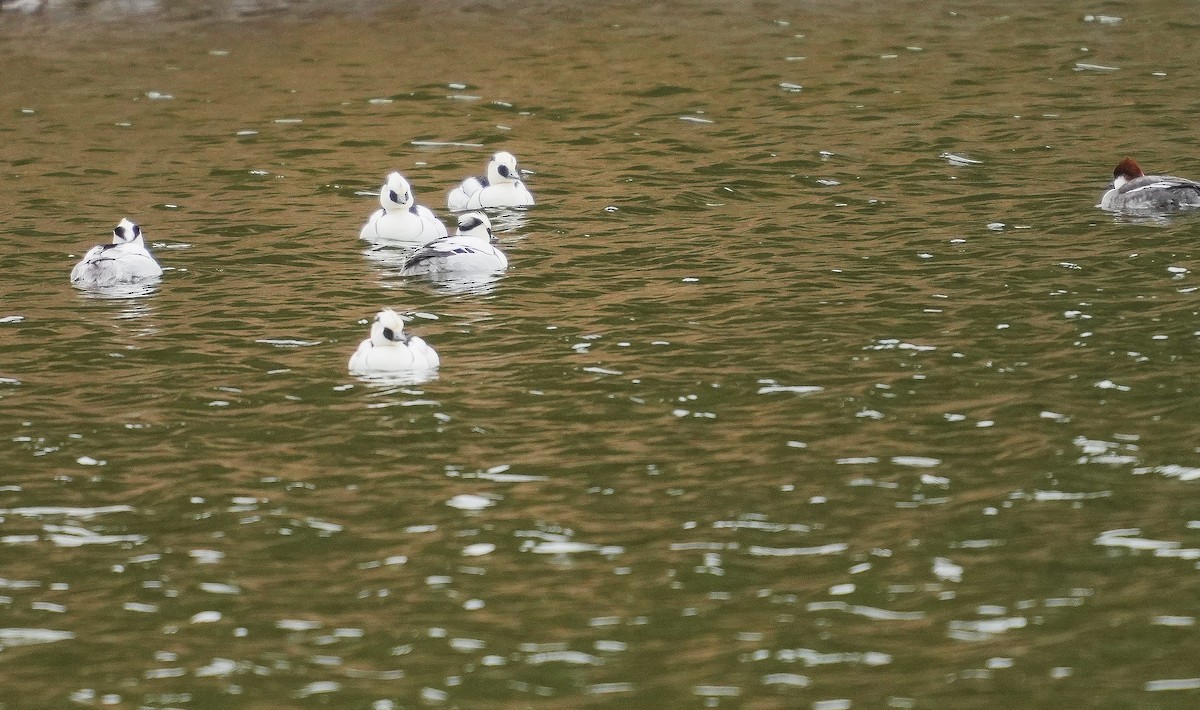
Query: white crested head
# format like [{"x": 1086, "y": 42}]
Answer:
[
  {"x": 388, "y": 328},
  {"x": 396, "y": 193},
  {"x": 475, "y": 224},
  {"x": 503, "y": 169},
  {"x": 126, "y": 232}
]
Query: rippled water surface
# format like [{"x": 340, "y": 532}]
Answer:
[{"x": 817, "y": 380}]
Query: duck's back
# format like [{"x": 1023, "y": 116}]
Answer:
[
  {"x": 455, "y": 255},
  {"x": 460, "y": 197},
  {"x": 1159, "y": 192},
  {"x": 108, "y": 264}
]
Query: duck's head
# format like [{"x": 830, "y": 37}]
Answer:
[
  {"x": 1126, "y": 170},
  {"x": 126, "y": 232},
  {"x": 396, "y": 193},
  {"x": 475, "y": 224},
  {"x": 503, "y": 170},
  {"x": 388, "y": 328}
]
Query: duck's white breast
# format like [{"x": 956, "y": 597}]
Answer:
[
  {"x": 501, "y": 196},
  {"x": 416, "y": 354},
  {"x": 402, "y": 226}
]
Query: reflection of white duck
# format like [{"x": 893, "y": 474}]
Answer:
[
  {"x": 501, "y": 188},
  {"x": 391, "y": 350},
  {"x": 467, "y": 253},
  {"x": 401, "y": 219},
  {"x": 126, "y": 260},
  {"x": 1133, "y": 189}
]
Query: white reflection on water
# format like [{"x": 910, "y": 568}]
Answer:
[
  {"x": 1106, "y": 452},
  {"x": 1173, "y": 621},
  {"x": 120, "y": 291},
  {"x": 1183, "y": 473},
  {"x": 506, "y": 220},
  {"x": 1153, "y": 686},
  {"x": 577, "y": 658},
  {"x": 389, "y": 256},
  {"x": 946, "y": 570},
  {"x": 959, "y": 160},
  {"x": 393, "y": 383},
  {"x": 478, "y": 549},
  {"x": 470, "y": 502},
  {"x": 811, "y": 657},
  {"x": 297, "y": 625},
  {"x": 835, "y": 548},
  {"x": 760, "y": 524},
  {"x": 129, "y": 300},
  {"x": 320, "y": 687},
  {"x": 567, "y": 547},
  {"x": 1130, "y": 538},
  {"x": 288, "y": 343},
  {"x": 206, "y": 617},
  {"x": 28, "y": 637},
  {"x": 869, "y": 612},
  {"x": 771, "y": 387},
  {"x": 499, "y": 474},
  {"x": 391, "y": 259},
  {"x": 76, "y": 536},
  {"x": 609, "y": 688},
  {"x": 72, "y": 512},
  {"x": 787, "y": 679},
  {"x": 984, "y": 629}
]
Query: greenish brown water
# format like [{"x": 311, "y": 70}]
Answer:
[{"x": 777, "y": 407}]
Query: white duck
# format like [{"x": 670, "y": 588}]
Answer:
[
  {"x": 391, "y": 350},
  {"x": 468, "y": 253},
  {"x": 502, "y": 187},
  {"x": 126, "y": 260},
  {"x": 400, "y": 219}
]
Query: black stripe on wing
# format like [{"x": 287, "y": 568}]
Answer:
[{"x": 431, "y": 252}]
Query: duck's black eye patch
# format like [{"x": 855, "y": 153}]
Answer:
[
  {"x": 503, "y": 170},
  {"x": 137, "y": 231},
  {"x": 119, "y": 232},
  {"x": 389, "y": 334},
  {"x": 469, "y": 223},
  {"x": 392, "y": 194}
]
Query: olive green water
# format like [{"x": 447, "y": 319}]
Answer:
[{"x": 779, "y": 406}]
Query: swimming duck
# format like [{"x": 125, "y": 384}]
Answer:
[
  {"x": 1133, "y": 189},
  {"x": 468, "y": 253},
  {"x": 502, "y": 187},
  {"x": 391, "y": 350},
  {"x": 399, "y": 218},
  {"x": 125, "y": 260}
]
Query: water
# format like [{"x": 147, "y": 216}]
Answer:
[{"x": 817, "y": 379}]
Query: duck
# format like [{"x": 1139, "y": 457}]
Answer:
[
  {"x": 1133, "y": 189},
  {"x": 468, "y": 253},
  {"x": 399, "y": 218},
  {"x": 501, "y": 187},
  {"x": 125, "y": 260},
  {"x": 391, "y": 350}
]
